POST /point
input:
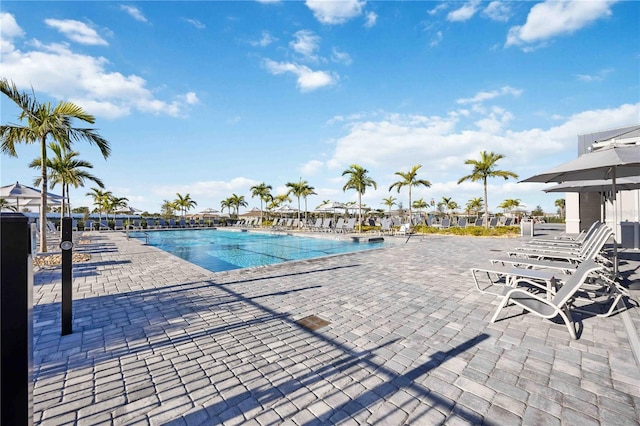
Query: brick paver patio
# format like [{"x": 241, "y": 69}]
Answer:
[{"x": 158, "y": 340}]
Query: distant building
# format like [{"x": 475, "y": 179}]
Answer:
[{"x": 582, "y": 209}]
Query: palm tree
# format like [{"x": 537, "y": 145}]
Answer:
[
  {"x": 43, "y": 122},
  {"x": 279, "y": 200},
  {"x": 484, "y": 169},
  {"x": 409, "y": 179},
  {"x": 306, "y": 191},
  {"x": 114, "y": 203},
  {"x": 167, "y": 208},
  {"x": 226, "y": 204},
  {"x": 509, "y": 204},
  {"x": 561, "y": 205},
  {"x": 65, "y": 169},
  {"x": 389, "y": 202},
  {"x": 184, "y": 203},
  {"x": 237, "y": 201},
  {"x": 449, "y": 204},
  {"x": 475, "y": 204},
  {"x": 299, "y": 189},
  {"x": 262, "y": 191},
  {"x": 100, "y": 199},
  {"x": 420, "y": 204},
  {"x": 358, "y": 180}
]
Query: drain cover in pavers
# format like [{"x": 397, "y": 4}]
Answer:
[{"x": 312, "y": 322}]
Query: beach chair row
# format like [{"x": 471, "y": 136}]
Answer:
[
  {"x": 327, "y": 224},
  {"x": 551, "y": 277},
  {"x": 136, "y": 224}
]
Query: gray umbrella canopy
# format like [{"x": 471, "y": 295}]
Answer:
[
  {"x": 615, "y": 161},
  {"x": 608, "y": 163},
  {"x": 583, "y": 186}
]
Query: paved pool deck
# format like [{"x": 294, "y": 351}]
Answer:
[{"x": 157, "y": 340}]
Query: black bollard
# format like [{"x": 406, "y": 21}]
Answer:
[
  {"x": 16, "y": 319},
  {"x": 67, "y": 262}
]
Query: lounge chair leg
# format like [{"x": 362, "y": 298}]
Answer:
[
  {"x": 568, "y": 320},
  {"x": 504, "y": 302}
]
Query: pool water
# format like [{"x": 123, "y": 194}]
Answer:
[{"x": 218, "y": 250}]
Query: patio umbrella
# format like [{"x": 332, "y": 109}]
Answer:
[
  {"x": 19, "y": 192},
  {"x": 608, "y": 163},
  {"x": 208, "y": 212},
  {"x": 254, "y": 212},
  {"x": 600, "y": 185}
]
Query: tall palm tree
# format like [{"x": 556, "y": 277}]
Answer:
[
  {"x": 226, "y": 204},
  {"x": 262, "y": 191},
  {"x": 410, "y": 180},
  {"x": 45, "y": 121},
  {"x": 389, "y": 202},
  {"x": 100, "y": 199},
  {"x": 65, "y": 169},
  {"x": 484, "y": 169},
  {"x": 184, "y": 203},
  {"x": 306, "y": 191},
  {"x": 298, "y": 189},
  {"x": 359, "y": 180},
  {"x": 237, "y": 201}
]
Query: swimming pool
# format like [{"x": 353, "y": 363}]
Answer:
[{"x": 218, "y": 250}]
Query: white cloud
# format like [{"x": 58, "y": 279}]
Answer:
[
  {"x": 308, "y": 80},
  {"x": 265, "y": 40},
  {"x": 485, "y": 96},
  {"x": 341, "y": 57},
  {"x": 77, "y": 31},
  {"x": 599, "y": 76},
  {"x": 370, "y": 19},
  {"x": 335, "y": 12},
  {"x": 442, "y": 144},
  {"x": 306, "y": 43},
  {"x": 9, "y": 29},
  {"x": 553, "y": 18},
  {"x": 197, "y": 24},
  {"x": 437, "y": 9},
  {"x": 55, "y": 69},
  {"x": 209, "y": 189},
  {"x": 465, "y": 12},
  {"x": 436, "y": 39},
  {"x": 497, "y": 11},
  {"x": 134, "y": 12},
  {"x": 312, "y": 167}
]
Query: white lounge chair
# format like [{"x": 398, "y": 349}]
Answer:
[{"x": 558, "y": 305}]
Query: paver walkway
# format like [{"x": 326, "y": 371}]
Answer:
[{"x": 158, "y": 340}]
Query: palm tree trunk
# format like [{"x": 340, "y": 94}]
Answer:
[
  {"x": 359, "y": 212},
  {"x": 486, "y": 206},
  {"x": 43, "y": 195},
  {"x": 410, "y": 212}
]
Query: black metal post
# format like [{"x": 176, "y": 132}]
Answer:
[
  {"x": 16, "y": 319},
  {"x": 67, "y": 291}
]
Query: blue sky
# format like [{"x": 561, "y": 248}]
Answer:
[{"x": 210, "y": 98}]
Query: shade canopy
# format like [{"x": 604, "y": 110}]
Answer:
[
  {"x": 330, "y": 206},
  {"x": 603, "y": 164},
  {"x": 583, "y": 186},
  {"x": 23, "y": 195},
  {"x": 127, "y": 210},
  {"x": 24, "y": 192}
]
